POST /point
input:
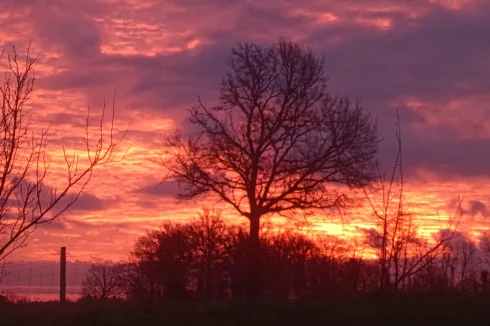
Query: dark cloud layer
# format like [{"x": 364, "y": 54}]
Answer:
[
  {"x": 161, "y": 189},
  {"x": 429, "y": 58},
  {"x": 470, "y": 208}
]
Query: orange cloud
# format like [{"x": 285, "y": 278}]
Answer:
[{"x": 430, "y": 57}]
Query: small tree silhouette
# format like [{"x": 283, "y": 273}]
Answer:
[
  {"x": 209, "y": 240},
  {"x": 104, "y": 281}
]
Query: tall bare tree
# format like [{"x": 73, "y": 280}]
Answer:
[
  {"x": 26, "y": 198},
  {"x": 277, "y": 142},
  {"x": 401, "y": 251}
]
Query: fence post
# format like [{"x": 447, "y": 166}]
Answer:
[{"x": 63, "y": 274}]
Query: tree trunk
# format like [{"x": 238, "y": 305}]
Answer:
[{"x": 254, "y": 284}]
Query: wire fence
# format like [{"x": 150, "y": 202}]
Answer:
[{"x": 40, "y": 281}]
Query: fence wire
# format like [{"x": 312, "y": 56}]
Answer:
[{"x": 40, "y": 281}]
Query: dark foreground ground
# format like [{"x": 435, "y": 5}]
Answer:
[{"x": 419, "y": 310}]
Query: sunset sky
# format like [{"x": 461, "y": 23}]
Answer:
[{"x": 430, "y": 57}]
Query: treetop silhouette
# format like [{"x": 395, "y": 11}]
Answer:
[{"x": 277, "y": 143}]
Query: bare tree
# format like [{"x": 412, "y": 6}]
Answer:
[
  {"x": 166, "y": 256},
  {"x": 103, "y": 281},
  {"x": 137, "y": 283},
  {"x": 289, "y": 256},
  {"x": 26, "y": 200},
  {"x": 143, "y": 275},
  {"x": 277, "y": 142},
  {"x": 401, "y": 250},
  {"x": 484, "y": 248},
  {"x": 209, "y": 237},
  {"x": 461, "y": 251}
]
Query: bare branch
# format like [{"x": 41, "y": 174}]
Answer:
[
  {"x": 277, "y": 143},
  {"x": 26, "y": 201}
]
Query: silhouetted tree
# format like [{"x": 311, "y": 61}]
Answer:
[
  {"x": 26, "y": 201},
  {"x": 368, "y": 276},
  {"x": 237, "y": 266},
  {"x": 484, "y": 248},
  {"x": 336, "y": 269},
  {"x": 206, "y": 259},
  {"x": 401, "y": 252},
  {"x": 484, "y": 251},
  {"x": 462, "y": 252},
  {"x": 104, "y": 281},
  {"x": 165, "y": 256},
  {"x": 288, "y": 257},
  {"x": 142, "y": 272},
  {"x": 277, "y": 142},
  {"x": 484, "y": 279},
  {"x": 209, "y": 240},
  {"x": 175, "y": 256}
]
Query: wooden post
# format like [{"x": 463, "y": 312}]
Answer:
[{"x": 63, "y": 274}]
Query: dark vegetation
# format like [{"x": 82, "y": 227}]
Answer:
[
  {"x": 205, "y": 260},
  {"x": 409, "y": 310}
]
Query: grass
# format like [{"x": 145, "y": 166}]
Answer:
[{"x": 414, "y": 310}]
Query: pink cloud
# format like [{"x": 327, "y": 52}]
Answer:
[{"x": 430, "y": 57}]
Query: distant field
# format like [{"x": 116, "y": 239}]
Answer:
[{"x": 383, "y": 311}]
